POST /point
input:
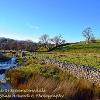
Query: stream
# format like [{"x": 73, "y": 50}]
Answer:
[{"x": 4, "y": 84}]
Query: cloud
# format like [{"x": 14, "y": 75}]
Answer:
[
  {"x": 32, "y": 26},
  {"x": 8, "y": 35},
  {"x": 34, "y": 39},
  {"x": 19, "y": 36},
  {"x": 4, "y": 34}
]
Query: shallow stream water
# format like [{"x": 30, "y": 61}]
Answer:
[{"x": 4, "y": 84}]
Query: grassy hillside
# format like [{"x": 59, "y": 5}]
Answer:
[
  {"x": 78, "y": 53},
  {"x": 80, "y": 47}
]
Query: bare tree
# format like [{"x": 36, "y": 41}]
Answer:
[
  {"x": 93, "y": 38},
  {"x": 63, "y": 42},
  {"x": 57, "y": 40},
  {"x": 87, "y": 33},
  {"x": 44, "y": 39}
]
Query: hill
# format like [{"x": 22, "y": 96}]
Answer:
[
  {"x": 78, "y": 53},
  {"x": 79, "y": 47},
  {"x": 11, "y": 44}
]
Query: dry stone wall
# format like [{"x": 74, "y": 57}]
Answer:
[{"x": 80, "y": 71}]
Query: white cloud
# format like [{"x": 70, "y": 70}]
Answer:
[
  {"x": 7, "y": 34},
  {"x": 19, "y": 36},
  {"x": 34, "y": 38},
  {"x": 31, "y": 26},
  {"x": 34, "y": 27}
]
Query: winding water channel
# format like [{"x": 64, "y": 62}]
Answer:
[{"x": 4, "y": 84}]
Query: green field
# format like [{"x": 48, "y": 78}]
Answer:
[
  {"x": 78, "y": 53},
  {"x": 80, "y": 47}
]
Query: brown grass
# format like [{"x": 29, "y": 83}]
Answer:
[{"x": 72, "y": 90}]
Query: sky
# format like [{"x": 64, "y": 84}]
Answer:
[{"x": 29, "y": 19}]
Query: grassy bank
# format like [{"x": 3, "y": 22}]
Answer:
[{"x": 36, "y": 74}]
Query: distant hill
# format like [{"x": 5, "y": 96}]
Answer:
[{"x": 11, "y": 44}]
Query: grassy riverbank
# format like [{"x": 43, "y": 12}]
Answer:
[{"x": 36, "y": 74}]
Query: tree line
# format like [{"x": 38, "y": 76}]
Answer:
[
  {"x": 48, "y": 42},
  {"x": 11, "y": 44},
  {"x": 44, "y": 41}
]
